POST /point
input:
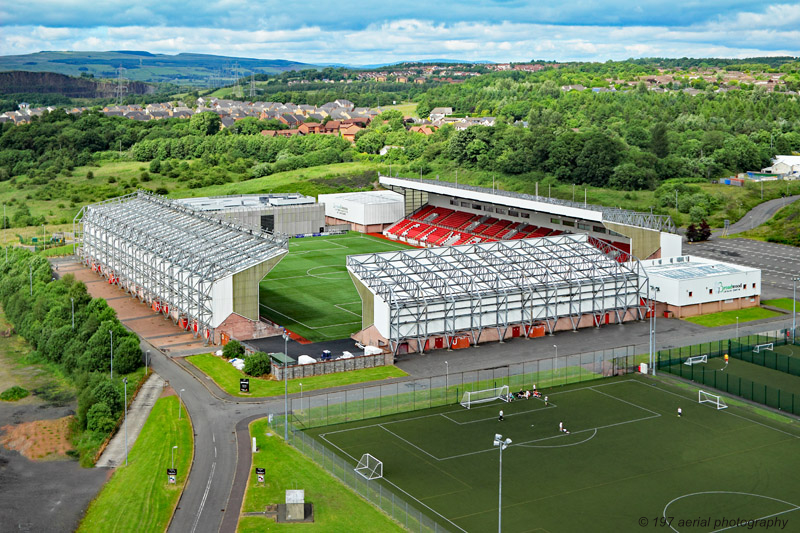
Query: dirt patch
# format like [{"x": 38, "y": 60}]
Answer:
[{"x": 41, "y": 439}]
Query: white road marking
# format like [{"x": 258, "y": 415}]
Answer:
[{"x": 205, "y": 495}]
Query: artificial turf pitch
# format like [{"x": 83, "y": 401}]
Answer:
[
  {"x": 628, "y": 461},
  {"x": 310, "y": 292}
]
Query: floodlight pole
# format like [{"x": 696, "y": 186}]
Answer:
[
  {"x": 737, "y": 329},
  {"x": 446, "y": 379},
  {"x": 125, "y": 407},
  {"x": 794, "y": 305},
  {"x": 285, "y": 387},
  {"x": 653, "y": 331},
  {"x": 502, "y": 444},
  {"x": 111, "y": 332}
]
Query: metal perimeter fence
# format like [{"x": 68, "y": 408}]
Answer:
[
  {"x": 741, "y": 348},
  {"x": 381, "y": 400},
  {"x": 413, "y": 395}
]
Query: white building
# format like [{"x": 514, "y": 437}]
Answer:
[
  {"x": 786, "y": 165},
  {"x": 366, "y": 212},
  {"x": 689, "y": 286}
]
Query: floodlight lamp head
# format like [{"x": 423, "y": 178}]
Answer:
[{"x": 498, "y": 436}]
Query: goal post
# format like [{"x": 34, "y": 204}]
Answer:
[
  {"x": 767, "y": 346},
  {"x": 695, "y": 359},
  {"x": 486, "y": 395},
  {"x": 369, "y": 467},
  {"x": 715, "y": 400}
]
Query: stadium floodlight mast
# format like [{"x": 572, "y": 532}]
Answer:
[
  {"x": 285, "y": 335},
  {"x": 794, "y": 305},
  {"x": 502, "y": 444}
]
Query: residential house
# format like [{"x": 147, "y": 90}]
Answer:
[
  {"x": 425, "y": 130},
  {"x": 348, "y": 132},
  {"x": 440, "y": 112},
  {"x": 578, "y": 87},
  {"x": 786, "y": 165}
]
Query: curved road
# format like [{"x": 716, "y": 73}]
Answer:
[{"x": 758, "y": 215}]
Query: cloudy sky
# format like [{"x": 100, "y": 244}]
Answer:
[{"x": 372, "y": 31}]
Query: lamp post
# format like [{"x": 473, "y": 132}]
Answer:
[
  {"x": 794, "y": 305},
  {"x": 180, "y": 402},
  {"x": 111, "y": 332},
  {"x": 737, "y": 328},
  {"x": 172, "y": 453},
  {"x": 30, "y": 275},
  {"x": 653, "y": 331},
  {"x": 502, "y": 444},
  {"x": 146, "y": 360},
  {"x": 446, "y": 379},
  {"x": 72, "y": 300},
  {"x": 285, "y": 335},
  {"x": 125, "y": 408},
  {"x": 556, "y": 347},
  {"x": 301, "y": 398}
]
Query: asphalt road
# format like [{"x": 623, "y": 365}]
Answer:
[{"x": 758, "y": 215}]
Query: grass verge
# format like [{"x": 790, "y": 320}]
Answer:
[
  {"x": 726, "y": 318},
  {"x": 138, "y": 497},
  {"x": 783, "y": 303},
  {"x": 227, "y": 377},
  {"x": 336, "y": 508}
]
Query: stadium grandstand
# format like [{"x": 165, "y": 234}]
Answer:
[
  {"x": 192, "y": 267},
  {"x": 455, "y": 296},
  {"x": 440, "y": 213}
]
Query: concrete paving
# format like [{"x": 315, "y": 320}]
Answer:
[{"x": 114, "y": 454}]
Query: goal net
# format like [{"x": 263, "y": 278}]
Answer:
[
  {"x": 759, "y": 347},
  {"x": 369, "y": 467},
  {"x": 695, "y": 359},
  {"x": 707, "y": 397},
  {"x": 482, "y": 396}
]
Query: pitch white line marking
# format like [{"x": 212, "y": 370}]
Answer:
[{"x": 794, "y": 507}]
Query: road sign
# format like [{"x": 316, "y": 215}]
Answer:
[
  {"x": 260, "y": 473},
  {"x": 172, "y": 474},
  {"x": 244, "y": 385}
]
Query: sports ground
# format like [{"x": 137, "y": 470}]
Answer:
[
  {"x": 310, "y": 292},
  {"x": 628, "y": 463}
]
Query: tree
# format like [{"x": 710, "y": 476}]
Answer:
[
  {"x": 233, "y": 349},
  {"x": 99, "y": 418},
  {"x": 205, "y": 123},
  {"x": 659, "y": 142},
  {"x": 598, "y": 157},
  {"x": 257, "y": 364}
]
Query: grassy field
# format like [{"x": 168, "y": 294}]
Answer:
[
  {"x": 783, "y": 303},
  {"x": 138, "y": 497},
  {"x": 310, "y": 293},
  {"x": 336, "y": 508},
  {"x": 782, "y": 228},
  {"x": 408, "y": 109},
  {"x": 726, "y": 318},
  {"x": 227, "y": 377},
  {"x": 627, "y": 459}
]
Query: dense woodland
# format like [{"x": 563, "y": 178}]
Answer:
[
  {"x": 630, "y": 139},
  {"x": 40, "y": 308}
]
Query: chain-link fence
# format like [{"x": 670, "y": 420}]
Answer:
[
  {"x": 376, "y": 491},
  {"x": 742, "y": 348},
  {"x": 413, "y": 395}
]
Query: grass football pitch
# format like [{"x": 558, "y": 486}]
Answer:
[
  {"x": 628, "y": 463},
  {"x": 310, "y": 292}
]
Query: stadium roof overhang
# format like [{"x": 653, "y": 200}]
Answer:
[
  {"x": 584, "y": 211},
  {"x": 453, "y": 272}
]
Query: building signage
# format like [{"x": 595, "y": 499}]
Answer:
[
  {"x": 732, "y": 287},
  {"x": 260, "y": 472},
  {"x": 341, "y": 210}
]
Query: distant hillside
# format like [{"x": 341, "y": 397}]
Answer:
[
  {"x": 17, "y": 82},
  {"x": 183, "y": 69}
]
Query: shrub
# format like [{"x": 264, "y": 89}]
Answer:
[
  {"x": 233, "y": 349},
  {"x": 99, "y": 418},
  {"x": 256, "y": 364},
  {"x": 13, "y": 394}
]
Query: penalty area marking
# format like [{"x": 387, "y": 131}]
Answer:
[
  {"x": 339, "y": 269},
  {"x": 793, "y": 506}
]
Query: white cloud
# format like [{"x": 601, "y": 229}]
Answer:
[{"x": 771, "y": 31}]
